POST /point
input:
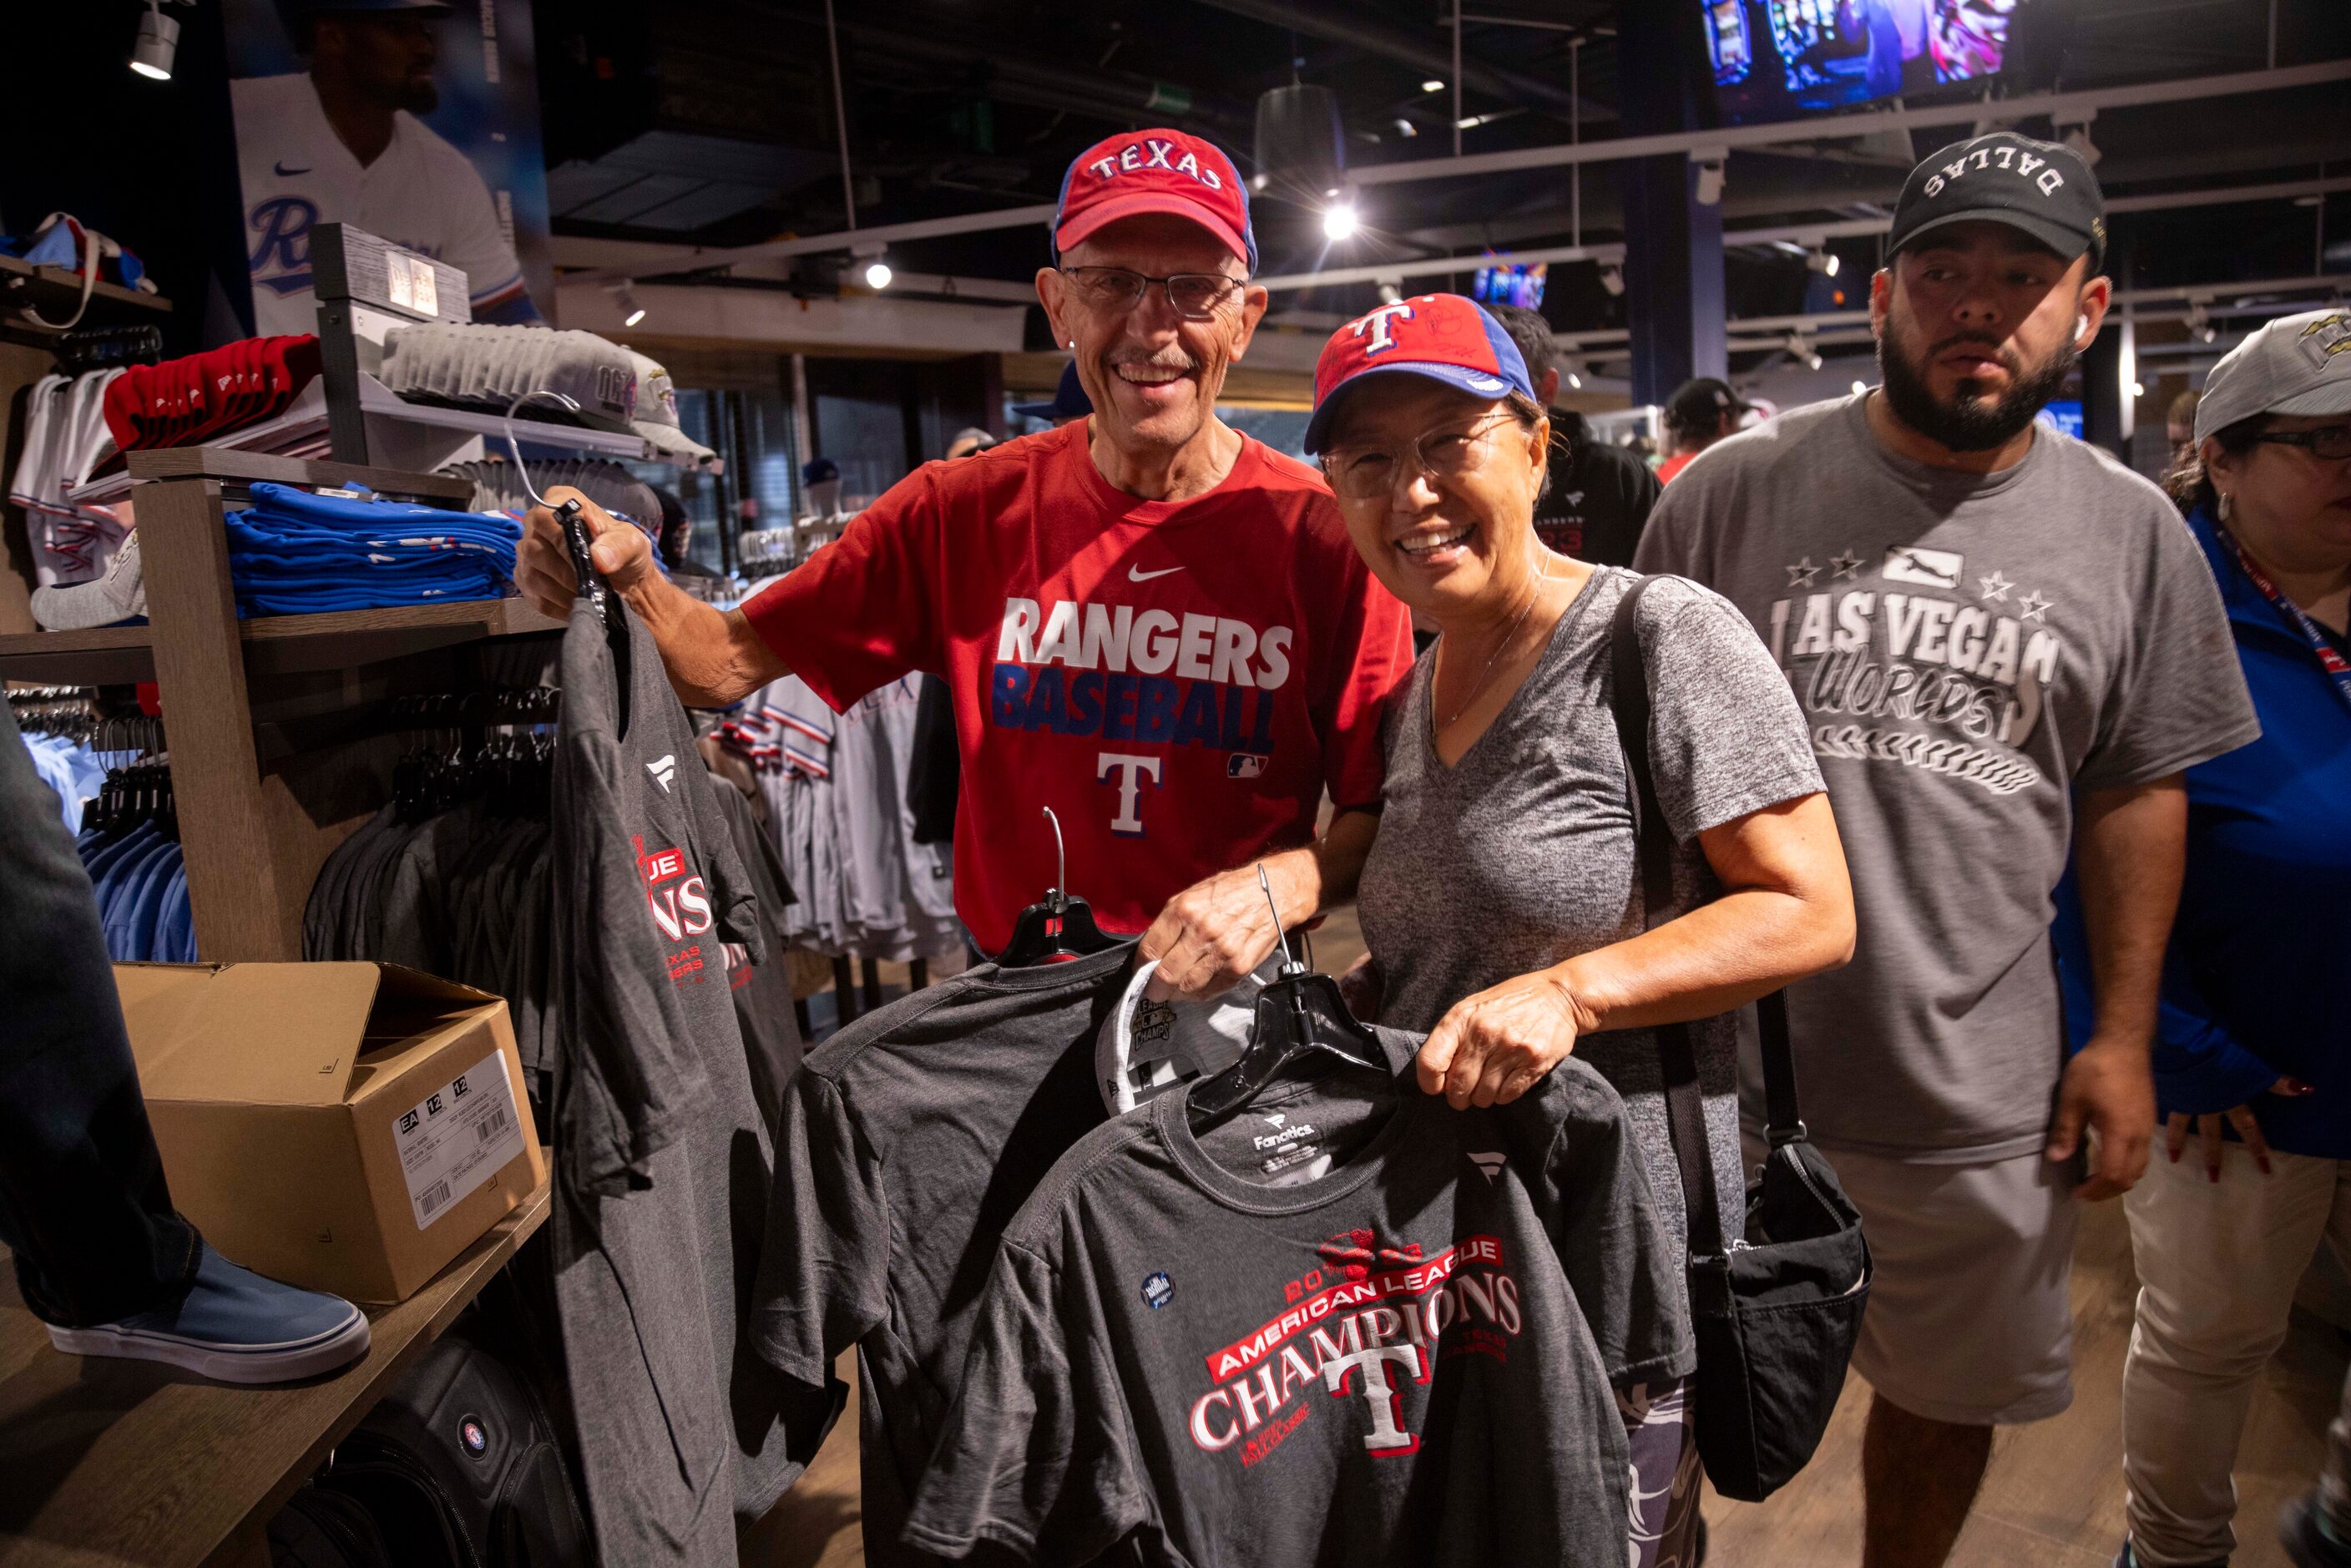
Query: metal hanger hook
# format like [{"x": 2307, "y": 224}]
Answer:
[
  {"x": 522, "y": 470},
  {"x": 1289, "y": 966},
  {"x": 1060, "y": 861}
]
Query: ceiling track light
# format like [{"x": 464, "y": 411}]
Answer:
[
  {"x": 1800, "y": 349},
  {"x": 1574, "y": 372},
  {"x": 1431, "y": 85},
  {"x": 1611, "y": 279},
  {"x": 158, "y": 44},
  {"x": 1341, "y": 220},
  {"x": 2076, "y": 133},
  {"x": 877, "y": 273},
  {"x": 2199, "y": 323},
  {"x": 1822, "y": 260},
  {"x": 625, "y": 295},
  {"x": 1710, "y": 162}
]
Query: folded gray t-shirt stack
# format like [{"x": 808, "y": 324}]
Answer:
[{"x": 477, "y": 362}]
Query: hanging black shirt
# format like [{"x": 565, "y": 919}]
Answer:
[
  {"x": 1405, "y": 1357},
  {"x": 662, "y": 1158}
]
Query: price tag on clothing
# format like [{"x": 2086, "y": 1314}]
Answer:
[{"x": 457, "y": 1138}]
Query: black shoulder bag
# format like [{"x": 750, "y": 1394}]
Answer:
[{"x": 1776, "y": 1318}]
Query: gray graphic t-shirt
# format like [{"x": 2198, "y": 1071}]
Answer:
[
  {"x": 1407, "y": 1357},
  {"x": 1523, "y": 853},
  {"x": 1967, "y": 650}
]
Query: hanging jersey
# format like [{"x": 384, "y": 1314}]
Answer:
[
  {"x": 1179, "y": 680},
  {"x": 420, "y": 192}
]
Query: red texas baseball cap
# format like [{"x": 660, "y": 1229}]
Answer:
[
  {"x": 1441, "y": 336},
  {"x": 1155, "y": 171}
]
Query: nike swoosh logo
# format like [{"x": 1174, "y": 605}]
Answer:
[
  {"x": 283, "y": 172},
  {"x": 1136, "y": 574}
]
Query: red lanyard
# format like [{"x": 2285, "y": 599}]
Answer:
[{"x": 2337, "y": 669}]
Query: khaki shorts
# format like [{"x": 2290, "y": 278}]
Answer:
[{"x": 1970, "y": 1318}]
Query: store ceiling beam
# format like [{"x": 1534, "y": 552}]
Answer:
[
  {"x": 1802, "y": 232},
  {"x": 2061, "y": 107},
  {"x": 1352, "y": 24},
  {"x": 1123, "y": 97},
  {"x": 639, "y": 260},
  {"x": 2054, "y": 105}
]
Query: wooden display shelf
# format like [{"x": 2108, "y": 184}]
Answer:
[
  {"x": 255, "y": 828},
  {"x": 132, "y": 1463},
  {"x": 273, "y": 645},
  {"x": 56, "y": 292}
]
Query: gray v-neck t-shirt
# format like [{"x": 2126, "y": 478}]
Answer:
[{"x": 1523, "y": 853}]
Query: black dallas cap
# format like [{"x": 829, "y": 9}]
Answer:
[
  {"x": 2043, "y": 189},
  {"x": 1699, "y": 404}
]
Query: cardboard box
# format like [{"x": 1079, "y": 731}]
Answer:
[{"x": 348, "y": 1127}]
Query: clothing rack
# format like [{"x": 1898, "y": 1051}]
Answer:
[{"x": 270, "y": 768}]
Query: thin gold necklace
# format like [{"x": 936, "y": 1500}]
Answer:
[{"x": 1508, "y": 638}]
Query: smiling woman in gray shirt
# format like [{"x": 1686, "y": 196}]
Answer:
[{"x": 1502, "y": 902}]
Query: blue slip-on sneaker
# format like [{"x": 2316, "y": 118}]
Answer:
[
  {"x": 2304, "y": 1533},
  {"x": 233, "y": 1326}
]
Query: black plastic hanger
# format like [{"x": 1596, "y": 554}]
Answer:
[
  {"x": 1058, "y": 928},
  {"x": 1300, "y": 1012}
]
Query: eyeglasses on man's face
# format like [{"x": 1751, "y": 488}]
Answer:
[{"x": 1112, "y": 290}]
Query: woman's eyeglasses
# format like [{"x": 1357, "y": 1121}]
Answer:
[
  {"x": 1194, "y": 296},
  {"x": 1368, "y": 473},
  {"x": 2328, "y": 441}
]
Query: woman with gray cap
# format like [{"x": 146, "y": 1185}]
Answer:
[{"x": 2249, "y": 1051}]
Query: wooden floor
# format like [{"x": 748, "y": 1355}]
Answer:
[{"x": 2053, "y": 1498}]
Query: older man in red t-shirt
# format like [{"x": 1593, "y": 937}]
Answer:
[{"x": 1151, "y": 623}]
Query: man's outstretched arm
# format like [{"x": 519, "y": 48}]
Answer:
[{"x": 713, "y": 657}]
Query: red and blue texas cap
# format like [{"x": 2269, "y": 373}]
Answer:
[
  {"x": 1155, "y": 171},
  {"x": 1441, "y": 336}
]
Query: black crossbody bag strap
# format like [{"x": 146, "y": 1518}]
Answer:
[{"x": 1684, "y": 1108}]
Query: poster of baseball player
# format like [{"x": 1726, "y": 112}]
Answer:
[{"x": 413, "y": 120}]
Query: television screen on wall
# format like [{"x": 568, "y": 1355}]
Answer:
[
  {"x": 1776, "y": 59},
  {"x": 1519, "y": 285}
]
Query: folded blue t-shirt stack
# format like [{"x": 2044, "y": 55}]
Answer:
[{"x": 294, "y": 553}]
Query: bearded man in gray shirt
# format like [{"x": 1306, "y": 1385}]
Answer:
[{"x": 1993, "y": 630}]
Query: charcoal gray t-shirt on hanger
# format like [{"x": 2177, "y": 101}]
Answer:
[
  {"x": 1347, "y": 1326},
  {"x": 908, "y": 1142}
]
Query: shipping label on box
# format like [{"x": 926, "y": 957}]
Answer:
[{"x": 457, "y": 1138}]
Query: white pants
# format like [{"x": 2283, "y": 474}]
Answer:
[{"x": 2218, "y": 1264}]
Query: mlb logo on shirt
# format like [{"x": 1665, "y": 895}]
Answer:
[
  {"x": 1157, "y": 1292},
  {"x": 1243, "y": 765}
]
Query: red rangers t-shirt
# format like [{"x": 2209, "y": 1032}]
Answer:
[{"x": 1179, "y": 680}]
